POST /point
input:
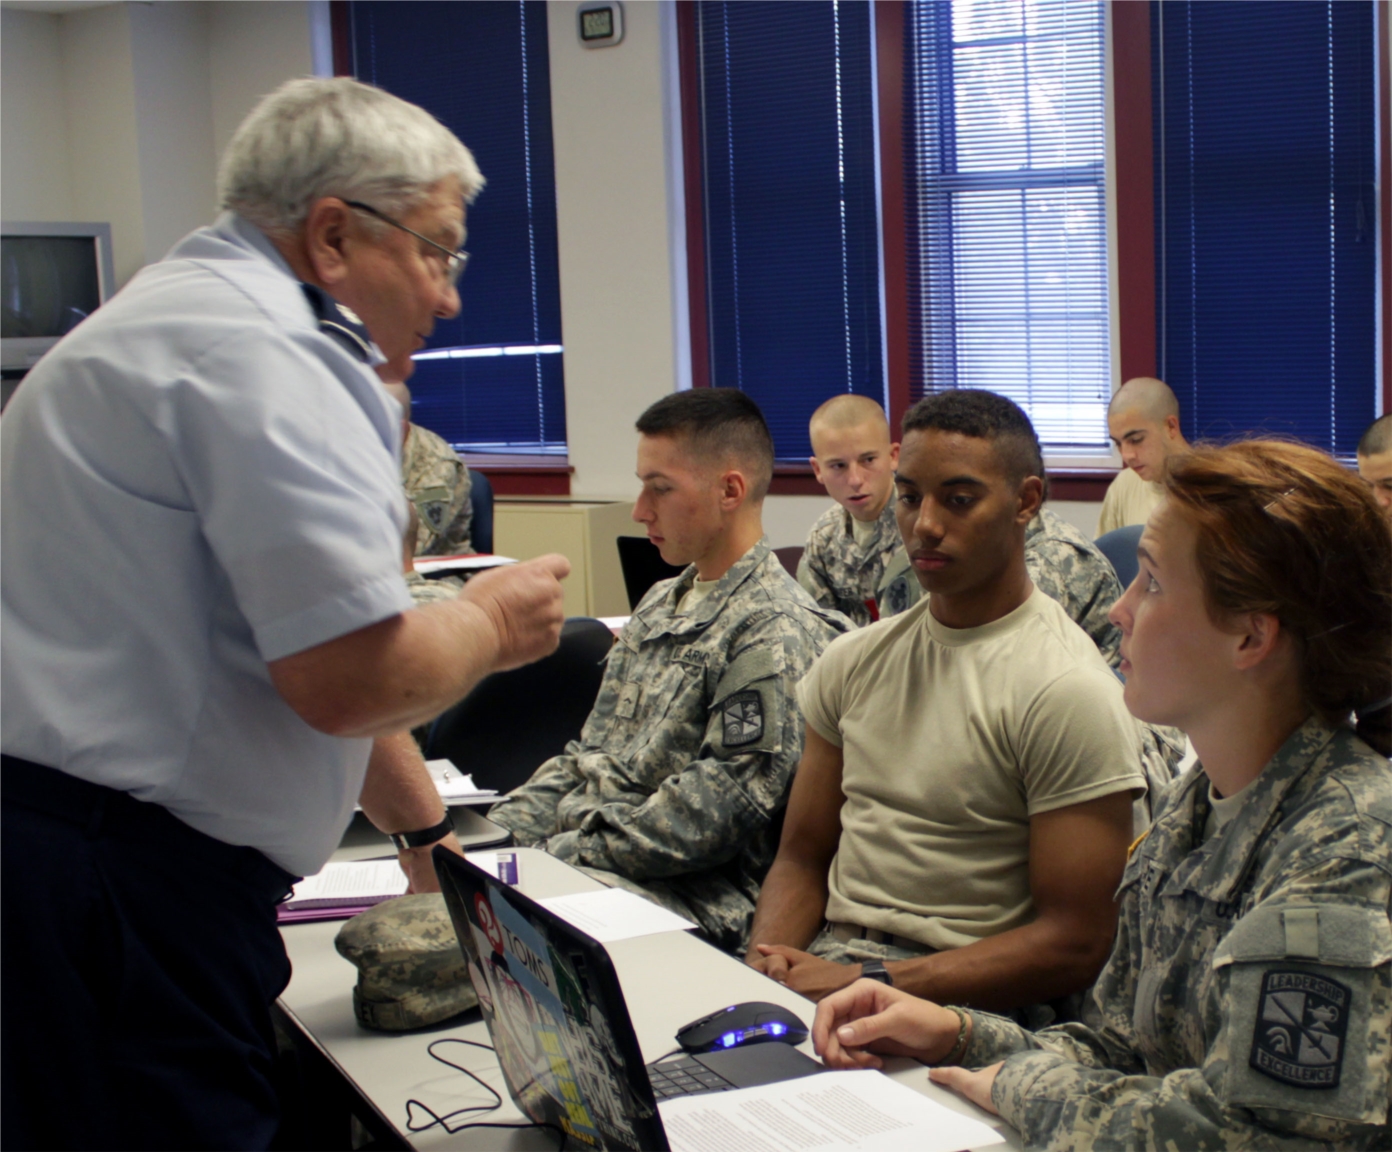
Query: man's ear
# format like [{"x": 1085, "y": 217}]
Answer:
[
  {"x": 1172, "y": 427},
  {"x": 326, "y": 230},
  {"x": 1030, "y": 497},
  {"x": 893, "y": 456},
  {"x": 733, "y": 489},
  {"x": 1258, "y": 636},
  {"x": 816, "y": 470}
]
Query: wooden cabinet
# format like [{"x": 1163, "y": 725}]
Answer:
[{"x": 584, "y": 531}]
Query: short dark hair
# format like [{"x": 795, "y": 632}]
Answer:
[
  {"x": 983, "y": 415},
  {"x": 717, "y": 424},
  {"x": 1378, "y": 438}
]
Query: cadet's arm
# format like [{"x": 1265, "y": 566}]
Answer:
[
  {"x": 792, "y": 901},
  {"x": 409, "y": 668},
  {"x": 1077, "y": 855}
]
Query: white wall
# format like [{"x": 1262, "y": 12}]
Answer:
[
  {"x": 612, "y": 223},
  {"x": 118, "y": 113},
  {"x": 174, "y": 119},
  {"x": 33, "y": 119},
  {"x": 253, "y": 47}
]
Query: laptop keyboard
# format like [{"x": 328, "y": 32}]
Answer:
[{"x": 684, "y": 1077}]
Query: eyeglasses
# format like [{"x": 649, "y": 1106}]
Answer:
[{"x": 455, "y": 261}]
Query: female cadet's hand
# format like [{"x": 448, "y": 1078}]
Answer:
[
  {"x": 870, "y": 1017},
  {"x": 975, "y": 1086}
]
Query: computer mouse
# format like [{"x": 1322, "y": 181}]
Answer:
[{"x": 754, "y": 1022}]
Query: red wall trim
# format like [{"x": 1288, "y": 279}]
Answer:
[
  {"x": 340, "y": 22},
  {"x": 795, "y": 480},
  {"x": 1087, "y": 485},
  {"x": 527, "y": 480},
  {"x": 1135, "y": 188},
  {"x": 1385, "y": 198},
  {"x": 694, "y": 182},
  {"x": 891, "y": 17}
]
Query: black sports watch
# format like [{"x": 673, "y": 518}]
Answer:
[
  {"x": 875, "y": 970},
  {"x": 424, "y": 836}
]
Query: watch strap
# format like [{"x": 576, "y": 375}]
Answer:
[
  {"x": 424, "y": 836},
  {"x": 875, "y": 970}
]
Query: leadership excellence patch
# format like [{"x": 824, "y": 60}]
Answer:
[
  {"x": 1302, "y": 1020},
  {"x": 742, "y": 717}
]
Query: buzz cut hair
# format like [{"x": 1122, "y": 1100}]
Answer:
[
  {"x": 1152, "y": 398},
  {"x": 848, "y": 410},
  {"x": 717, "y": 425},
  {"x": 1378, "y": 438},
  {"x": 983, "y": 415}
]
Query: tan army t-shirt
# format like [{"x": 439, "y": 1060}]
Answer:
[
  {"x": 952, "y": 739},
  {"x": 1128, "y": 500}
]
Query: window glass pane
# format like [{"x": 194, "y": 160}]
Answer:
[
  {"x": 483, "y": 70},
  {"x": 1007, "y": 209}
]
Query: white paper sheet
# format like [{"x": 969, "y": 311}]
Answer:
[
  {"x": 471, "y": 563},
  {"x": 457, "y": 787},
  {"x": 862, "y": 1110},
  {"x": 351, "y": 881},
  {"x": 614, "y": 914}
]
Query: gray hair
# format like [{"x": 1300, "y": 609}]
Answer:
[{"x": 312, "y": 138}]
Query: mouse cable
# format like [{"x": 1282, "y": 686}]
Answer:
[{"x": 443, "y": 1121}]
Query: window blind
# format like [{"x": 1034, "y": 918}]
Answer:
[
  {"x": 790, "y": 210},
  {"x": 1266, "y": 241},
  {"x": 492, "y": 379},
  {"x": 1006, "y": 209}
]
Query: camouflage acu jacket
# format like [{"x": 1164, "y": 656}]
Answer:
[
  {"x": 1247, "y": 1002},
  {"x": 1062, "y": 562},
  {"x": 437, "y": 483},
  {"x": 842, "y": 574},
  {"x": 685, "y": 762}
]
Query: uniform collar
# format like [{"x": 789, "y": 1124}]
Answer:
[
  {"x": 663, "y": 618},
  {"x": 886, "y": 527},
  {"x": 332, "y": 318},
  {"x": 1219, "y": 869}
]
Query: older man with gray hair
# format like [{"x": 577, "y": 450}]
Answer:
[{"x": 206, "y": 625}]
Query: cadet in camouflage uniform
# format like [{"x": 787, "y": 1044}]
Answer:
[
  {"x": 1247, "y": 1002},
  {"x": 850, "y": 544},
  {"x": 1062, "y": 562},
  {"x": 685, "y": 762},
  {"x": 681, "y": 773},
  {"x": 437, "y": 483},
  {"x": 1249, "y": 992},
  {"x": 840, "y": 571}
]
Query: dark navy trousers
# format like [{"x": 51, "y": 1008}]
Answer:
[{"x": 140, "y": 961}]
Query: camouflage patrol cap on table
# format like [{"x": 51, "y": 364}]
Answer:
[{"x": 411, "y": 970}]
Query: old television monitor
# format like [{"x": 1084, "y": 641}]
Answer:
[{"x": 52, "y": 277}]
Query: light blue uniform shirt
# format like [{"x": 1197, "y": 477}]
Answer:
[{"x": 198, "y": 480}]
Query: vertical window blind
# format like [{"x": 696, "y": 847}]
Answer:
[
  {"x": 790, "y": 209},
  {"x": 1266, "y": 231},
  {"x": 492, "y": 379},
  {"x": 1006, "y": 209}
]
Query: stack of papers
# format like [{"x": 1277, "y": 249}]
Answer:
[
  {"x": 862, "y": 1110},
  {"x": 457, "y": 787},
  {"x": 611, "y": 914},
  {"x": 474, "y": 562},
  {"x": 343, "y": 890}
]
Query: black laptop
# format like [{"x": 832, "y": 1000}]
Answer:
[{"x": 557, "y": 1017}]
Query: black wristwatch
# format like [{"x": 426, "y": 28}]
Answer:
[
  {"x": 875, "y": 970},
  {"x": 404, "y": 840}
]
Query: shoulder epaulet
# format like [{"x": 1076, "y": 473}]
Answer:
[{"x": 339, "y": 322}]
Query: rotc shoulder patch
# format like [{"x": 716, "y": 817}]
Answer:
[
  {"x": 742, "y": 718},
  {"x": 1302, "y": 1020}
]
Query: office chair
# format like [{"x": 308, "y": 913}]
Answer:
[
  {"x": 643, "y": 566},
  {"x": 790, "y": 557},
  {"x": 1119, "y": 546},
  {"x": 512, "y": 721},
  {"x": 481, "y": 500}
]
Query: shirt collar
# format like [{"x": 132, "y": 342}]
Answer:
[{"x": 662, "y": 617}]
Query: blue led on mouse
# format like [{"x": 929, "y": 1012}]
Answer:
[{"x": 754, "y": 1022}]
